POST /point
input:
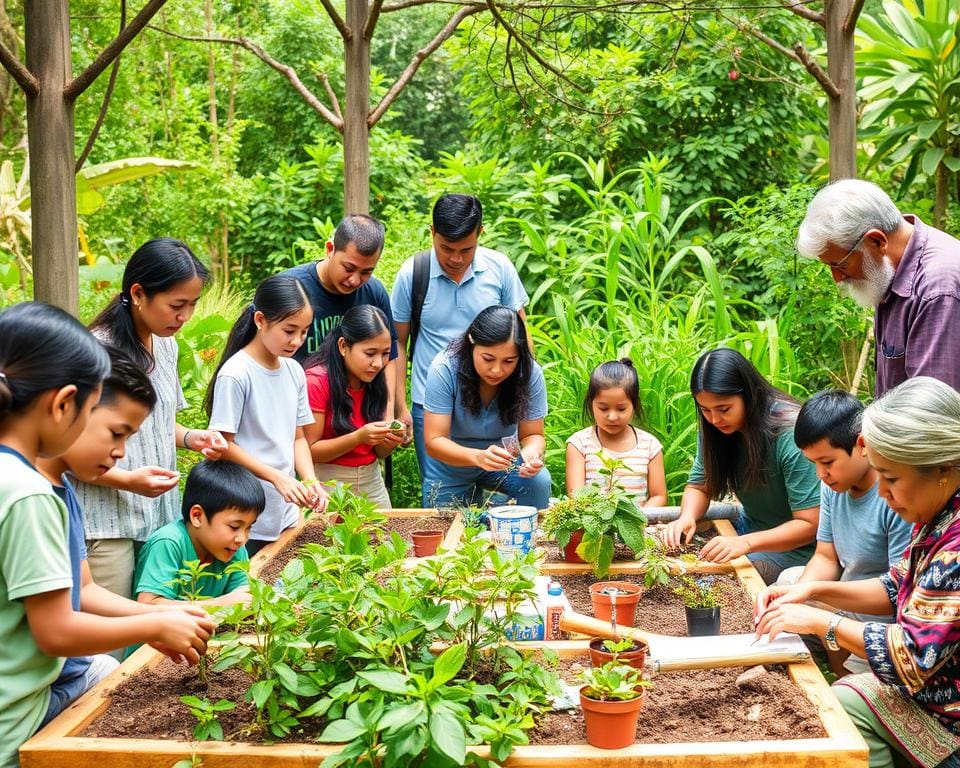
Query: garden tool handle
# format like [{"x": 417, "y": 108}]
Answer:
[{"x": 587, "y": 625}]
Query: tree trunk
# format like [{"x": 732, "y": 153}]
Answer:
[
  {"x": 211, "y": 83},
  {"x": 842, "y": 110},
  {"x": 943, "y": 191},
  {"x": 356, "y": 133},
  {"x": 56, "y": 276}
]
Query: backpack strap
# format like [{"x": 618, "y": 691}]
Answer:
[{"x": 421, "y": 282}]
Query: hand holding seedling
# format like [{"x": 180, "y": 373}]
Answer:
[
  {"x": 150, "y": 481},
  {"x": 296, "y": 492},
  {"x": 374, "y": 433},
  {"x": 723, "y": 549},
  {"x": 494, "y": 459},
  {"x": 208, "y": 442},
  {"x": 682, "y": 528},
  {"x": 184, "y": 634}
]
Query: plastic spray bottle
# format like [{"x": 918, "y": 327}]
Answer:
[{"x": 553, "y": 612}]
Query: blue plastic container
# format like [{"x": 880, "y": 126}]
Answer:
[{"x": 512, "y": 529}]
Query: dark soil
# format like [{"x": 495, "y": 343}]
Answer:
[
  {"x": 662, "y": 611},
  {"x": 697, "y": 706},
  {"x": 700, "y": 706},
  {"x": 622, "y": 552},
  {"x": 313, "y": 533}
]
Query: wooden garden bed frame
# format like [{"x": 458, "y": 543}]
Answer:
[{"x": 57, "y": 745}]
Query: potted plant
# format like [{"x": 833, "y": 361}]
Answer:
[
  {"x": 604, "y": 513},
  {"x": 611, "y": 700},
  {"x": 425, "y": 543},
  {"x": 623, "y": 651},
  {"x": 619, "y": 596},
  {"x": 701, "y": 602}
]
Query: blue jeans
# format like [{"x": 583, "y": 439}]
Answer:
[
  {"x": 768, "y": 564},
  {"x": 442, "y": 485},
  {"x": 65, "y": 691}
]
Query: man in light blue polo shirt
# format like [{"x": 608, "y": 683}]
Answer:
[{"x": 464, "y": 279}]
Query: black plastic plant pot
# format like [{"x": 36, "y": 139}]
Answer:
[{"x": 703, "y": 621}]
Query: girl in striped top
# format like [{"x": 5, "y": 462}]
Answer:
[{"x": 613, "y": 402}]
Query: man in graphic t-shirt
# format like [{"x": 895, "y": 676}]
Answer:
[{"x": 344, "y": 279}]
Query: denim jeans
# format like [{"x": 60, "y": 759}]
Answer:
[
  {"x": 768, "y": 564},
  {"x": 64, "y": 692}
]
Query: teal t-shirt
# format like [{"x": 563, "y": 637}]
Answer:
[
  {"x": 166, "y": 552},
  {"x": 791, "y": 484},
  {"x": 34, "y": 559}
]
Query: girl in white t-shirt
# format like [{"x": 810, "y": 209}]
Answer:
[
  {"x": 613, "y": 401},
  {"x": 258, "y": 401}
]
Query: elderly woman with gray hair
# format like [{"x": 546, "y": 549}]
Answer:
[{"x": 908, "y": 706}]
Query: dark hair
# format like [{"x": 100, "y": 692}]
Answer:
[
  {"x": 365, "y": 232},
  {"x": 612, "y": 374},
  {"x": 44, "y": 348},
  {"x": 359, "y": 324},
  {"x": 218, "y": 485},
  {"x": 495, "y": 325},
  {"x": 456, "y": 216},
  {"x": 156, "y": 266},
  {"x": 128, "y": 379},
  {"x": 832, "y": 414},
  {"x": 277, "y": 298},
  {"x": 767, "y": 411}
]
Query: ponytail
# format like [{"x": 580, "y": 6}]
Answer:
[
  {"x": 277, "y": 298},
  {"x": 156, "y": 266},
  {"x": 44, "y": 348}
]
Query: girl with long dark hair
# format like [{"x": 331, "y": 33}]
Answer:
[
  {"x": 746, "y": 448},
  {"x": 258, "y": 400},
  {"x": 347, "y": 389},
  {"x": 484, "y": 396},
  {"x": 161, "y": 285}
]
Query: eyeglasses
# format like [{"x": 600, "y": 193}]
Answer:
[{"x": 839, "y": 264}]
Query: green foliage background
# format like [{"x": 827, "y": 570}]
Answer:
[{"x": 649, "y": 199}]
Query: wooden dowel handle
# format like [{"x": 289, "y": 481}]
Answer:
[{"x": 587, "y": 625}]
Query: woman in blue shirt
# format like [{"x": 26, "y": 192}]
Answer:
[{"x": 484, "y": 405}]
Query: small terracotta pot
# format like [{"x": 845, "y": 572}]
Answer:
[
  {"x": 426, "y": 542},
  {"x": 634, "y": 657},
  {"x": 570, "y": 551},
  {"x": 628, "y": 595},
  {"x": 702, "y": 621},
  {"x": 611, "y": 724}
]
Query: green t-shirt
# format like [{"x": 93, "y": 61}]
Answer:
[
  {"x": 33, "y": 559},
  {"x": 792, "y": 484},
  {"x": 166, "y": 552}
]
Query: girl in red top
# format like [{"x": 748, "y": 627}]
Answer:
[{"x": 347, "y": 390}]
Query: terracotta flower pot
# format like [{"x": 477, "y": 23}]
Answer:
[
  {"x": 702, "y": 621},
  {"x": 627, "y": 597},
  {"x": 426, "y": 542},
  {"x": 611, "y": 724},
  {"x": 570, "y": 551},
  {"x": 634, "y": 657}
]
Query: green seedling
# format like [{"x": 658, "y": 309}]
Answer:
[
  {"x": 613, "y": 682},
  {"x": 207, "y": 714},
  {"x": 703, "y": 592}
]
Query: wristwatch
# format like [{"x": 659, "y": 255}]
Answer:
[{"x": 830, "y": 638}]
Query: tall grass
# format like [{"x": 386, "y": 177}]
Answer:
[{"x": 638, "y": 287}]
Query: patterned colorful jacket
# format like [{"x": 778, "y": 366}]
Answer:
[{"x": 918, "y": 653}]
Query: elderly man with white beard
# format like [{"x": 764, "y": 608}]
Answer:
[{"x": 908, "y": 272}]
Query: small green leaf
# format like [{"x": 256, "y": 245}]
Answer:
[
  {"x": 386, "y": 680},
  {"x": 341, "y": 731},
  {"x": 448, "y": 664},
  {"x": 448, "y": 735},
  {"x": 406, "y": 715},
  {"x": 260, "y": 691}
]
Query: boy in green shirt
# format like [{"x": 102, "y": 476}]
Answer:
[{"x": 221, "y": 502}]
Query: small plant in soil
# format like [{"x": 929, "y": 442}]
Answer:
[
  {"x": 613, "y": 682},
  {"x": 604, "y": 513},
  {"x": 207, "y": 714},
  {"x": 702, "y": 592},
  {"x": 347, "y": 646}
]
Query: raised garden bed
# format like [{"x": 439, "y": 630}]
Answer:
[
  {"x": 270, "y": 561},
  {"x": 69, "y": 740}
]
